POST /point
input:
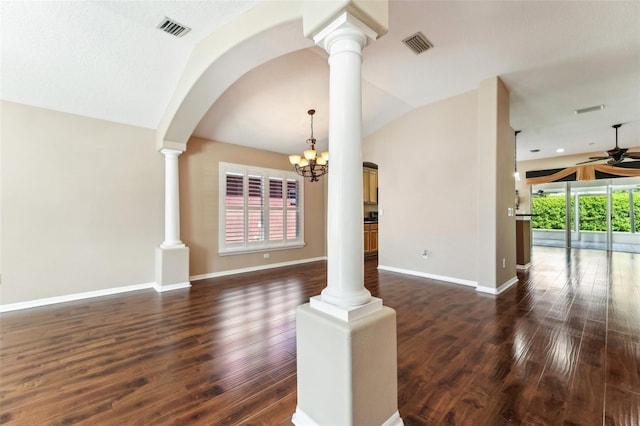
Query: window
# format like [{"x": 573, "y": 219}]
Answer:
[{"x": 260, "y": 209}]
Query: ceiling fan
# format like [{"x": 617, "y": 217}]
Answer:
[{"x": 615, "y": 155}]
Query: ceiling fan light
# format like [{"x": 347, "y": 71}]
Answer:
[
  {"x": 294, "y": 159},
  {"x": 310, "y": 154}
]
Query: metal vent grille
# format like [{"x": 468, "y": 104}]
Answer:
[
  {"x": 418, "y": 43},
  {"x": 172, "y": 27}
]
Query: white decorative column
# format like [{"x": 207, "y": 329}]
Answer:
[
  {"x": 344, "y": 39},
  {"x": 171, "y": 199},
  {"x": 172, "y": 257},
  {"x": 346, "y": 339}
]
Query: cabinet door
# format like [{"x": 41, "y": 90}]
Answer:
[
  {"x": 365, "y": 185},
  {"x": 373, "y": 186},
  {"x": 373, "y": 239},
  {"x": 367, "y": 239}
]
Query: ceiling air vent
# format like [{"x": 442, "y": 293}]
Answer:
[
  {"x": 172, "y": 27},
  {"x": 418, "y": 43}
]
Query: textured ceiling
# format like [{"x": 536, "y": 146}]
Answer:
[{"x": 107, "y": 60}]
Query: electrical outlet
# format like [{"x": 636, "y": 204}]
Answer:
[
  {"x": 504, "y": 262},
  {"x": 425, "y": 255},
  {"x": 267, "y": 255}
]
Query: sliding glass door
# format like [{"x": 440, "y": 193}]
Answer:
[{"x": 599, "y": 215}]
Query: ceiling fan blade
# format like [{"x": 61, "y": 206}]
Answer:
[
  {"x": 592, "y": 160},
  {"x": 634, "y": 155}
]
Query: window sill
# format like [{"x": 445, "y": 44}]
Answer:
[{"x": 231, "y": 252}]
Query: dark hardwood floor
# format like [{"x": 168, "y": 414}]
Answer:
[{"x": 560, "y": 348}]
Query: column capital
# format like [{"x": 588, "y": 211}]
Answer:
[
  {"x": 168, "y": 152},
  {"x": 345, "y": 26}
]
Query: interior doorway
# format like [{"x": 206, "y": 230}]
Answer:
[
  {"x": 370, "y": 176},
  {"x": 598, "y": 215}
]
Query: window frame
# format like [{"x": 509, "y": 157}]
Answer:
[{"x": 248, "y": 246}]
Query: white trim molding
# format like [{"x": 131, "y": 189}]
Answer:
[
  {"x": 453, "y": 280},
  {"x": 394, "y": 420},
  {"x": 73, "y": 297},
  {"x": 468, "y": 283},
  {"x": 500, "y": 289},
  {"x": 523, "y": 267},
  {"x": 255, "y": 268},
  {"x": 178, "y": 286},
  {"x": 300, "y": 418}
]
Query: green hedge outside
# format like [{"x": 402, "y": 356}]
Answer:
[{"x": 593, "y": 212}]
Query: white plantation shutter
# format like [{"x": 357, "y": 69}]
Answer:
[
  {"x": 255, "y": 209},
  {"x": 234, "y": 212},
  {"x": 293, "y": 209},
  {"x": 260, "y": 209},
  {"x": 276, "y": 209}
]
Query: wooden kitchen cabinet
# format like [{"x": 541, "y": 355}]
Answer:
[
  {"x": 370, "y": 238},
  {"x": 370, "y": 185},
  {"x": 373, "y": 238}
]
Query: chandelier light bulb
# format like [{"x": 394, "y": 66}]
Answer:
[
  {"x": 294, "y": 159},
  {"x": 310, "y": 154}
]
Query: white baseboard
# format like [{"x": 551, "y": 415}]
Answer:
[
  {"x": 469, "y": 283},
  {"x": 523, "y": 267},
  {"x": 300, "y": 418},
  {"x": 394, "y": 420},
  {"x": 498, "y": 290},
  {"x": 453, "y": 280},
  {"x": 163, "y": 288},
  {"x": 255, "y": 268},
  {"x": 72, "y": 297}
]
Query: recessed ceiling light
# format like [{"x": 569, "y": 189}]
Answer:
[
  {"x": 560, "y": 150},
  {"x": 588, "y": 109}
]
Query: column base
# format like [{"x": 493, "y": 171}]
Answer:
[
  {"x": 172, "y": 268},
  {"x": 300, "y": 418},
  {"x": 347, "y": 370},
  {"x": 346, "y": 314}
]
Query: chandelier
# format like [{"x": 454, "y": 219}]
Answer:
[{"x": 310, "y": 164}]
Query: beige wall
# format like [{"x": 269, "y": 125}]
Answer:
[
  {"x": 82, "y": 204},
  {"x": 199, "y": 211},
  {"x": 495, "y": 186},
  {"x": 427, "y": 174},
  {"x": 446, "y": 184}
]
